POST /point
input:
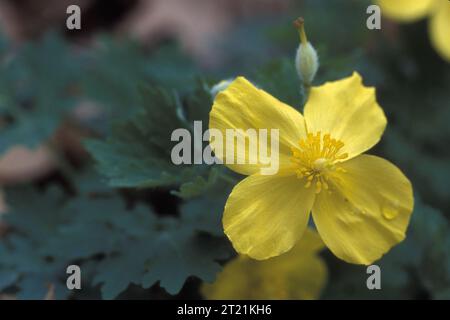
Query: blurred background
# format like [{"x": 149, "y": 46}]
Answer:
[{"x": 85, "y": 123}]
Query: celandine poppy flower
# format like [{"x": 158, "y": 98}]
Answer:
[
  {"x": 361, "y": 204},
  {"x": 299, "y": 274},
  {"x": 437, "y": 10}
]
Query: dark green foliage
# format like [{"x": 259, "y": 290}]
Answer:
[
  {"x": 115, "y": 245},
  {"x": 34, "y": 94},
  {"x": 127, "y": 246},
  {"x": 280, "y": 79},
  {"x": 138, "y": 152},
  {"x": 118, "y": 88},
  {"x": 132, "y": 219},
  {"x": 43, "y": 81}
]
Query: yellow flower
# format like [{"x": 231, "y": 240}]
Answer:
[
  {"x": 298, "y": 274},
  {"x": 411, "y": 10},
  {"x": 361, "y": 204}
]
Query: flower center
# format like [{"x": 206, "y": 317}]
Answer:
[{"x": 315, "y": 157}]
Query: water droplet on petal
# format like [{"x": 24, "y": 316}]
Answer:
[{"x": 390, "y": 212}]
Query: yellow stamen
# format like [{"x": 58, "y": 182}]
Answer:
[
  {"x": 315, "y": 157},
  {"x": 318, "y": 186}
]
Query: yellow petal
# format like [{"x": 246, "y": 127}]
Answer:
[
  {"x": 266, "y": 215},
  {"x": 298, "y": 274},
  {"x": 406, "y": 10},
  {"x": 348, "y": 111},
  {"x": 367, "y": 212},
  {"x": 440, "y": 30},
  {"x": 243, "y": 106}
]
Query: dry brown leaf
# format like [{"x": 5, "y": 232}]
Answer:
[
  {"x": 7, "y": 297},
  {"x": 21, "y": 164},
  {"x": 28, "y": 18},
  {"x": 197, "y": 24}
]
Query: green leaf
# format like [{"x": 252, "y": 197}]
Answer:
[
  {"x": 164, "y": 250},
  {"x": 116, "y": 68},
  {"x": 138, "y": 152},
  {"x": 280, "y": 79},
  {"x": 35, "y": 94},
  {"x": 125, "y": 246},
  {"x": 35, "y": 213},
  {"x": 30, "y": 130},
  {"x": 112, "y": 75},
  {"x": 179, "y": 255},
  {"x": 197, "y": 104},
  {"x": 198, "y": 186},
  {"x": 205, "y": 213}
]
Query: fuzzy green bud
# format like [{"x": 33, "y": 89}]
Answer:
[{"x": 306, "y": 60}]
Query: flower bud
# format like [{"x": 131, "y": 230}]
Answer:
[{"x": 306, "y": 60}]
